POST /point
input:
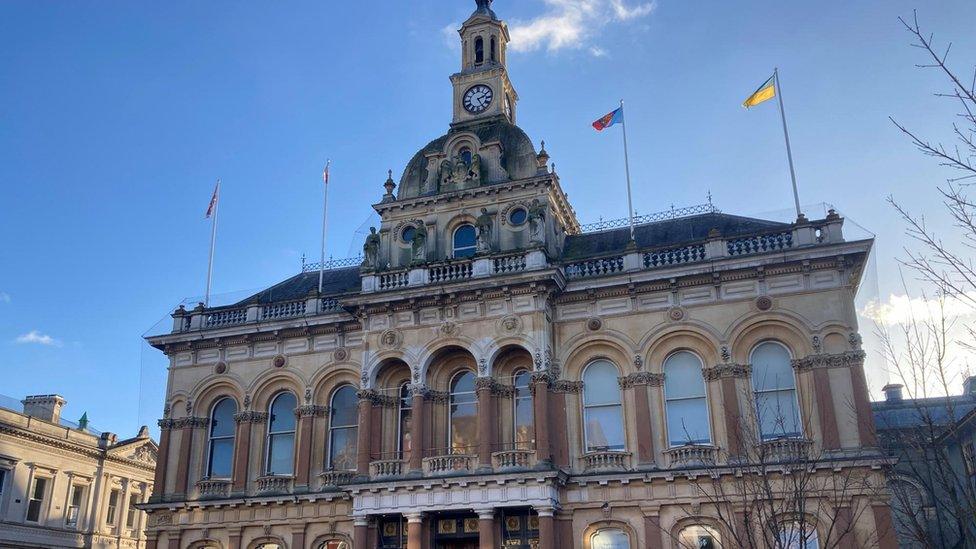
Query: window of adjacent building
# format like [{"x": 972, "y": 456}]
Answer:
[
  {"x": 686, "y": 405},
  {"x": 220, "y": 459},
  {"x": 462, "y": 420},
  {"x": 799, "y": 536},
  {"x": 113, "y": 506},
  {"x": 281, "y": 435},
  {"x": 130, "y": 516},
  {"x": 699, "y": 537},
  {"x": 36, "y": 501},
  {"x": 774, "y": 388},
  {"x": 524, "y": 431},
  {"x": 343, "y": 429},
  {"x": 74, "y": 504},
  {"x": 404, "y": 419},
  {"x": 465, "y": 241},
  {"x": 603, "y": 417},
  {"x": 479, "y": 50},
  {"x": 611, "y": 538}
]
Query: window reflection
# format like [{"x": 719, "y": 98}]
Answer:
[
  {"x": 464, "y": 411},
  {"x": 602, "y": 410},
  {"x": 281, "y": 435},
  {"x": 222, "y": 429},
  {"x": 343, "y": 429}
]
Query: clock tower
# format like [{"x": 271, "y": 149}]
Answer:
[{"x": 482, "y": 89}]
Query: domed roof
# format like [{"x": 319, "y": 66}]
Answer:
[{"x": 518, "y": 154}]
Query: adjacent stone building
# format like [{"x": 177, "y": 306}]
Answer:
[
  {"x": 494, "y": 374},
  {"x": 62, "y": 485}
]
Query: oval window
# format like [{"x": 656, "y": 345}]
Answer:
[
  {"x": 408, "y": 234},
  {"x": 518, "y": 216}
]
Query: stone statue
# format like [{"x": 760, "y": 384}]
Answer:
[
  {"x": 484, "y": 225},
  {"x": 419, "y": 244},
  {"x": 445, "y": 174},
  {"x": 537, "y": 222},
  {"x": 460, "y": 170},
  {"x": 474, "y": 173},
  {"x": 371, "y": 250}
]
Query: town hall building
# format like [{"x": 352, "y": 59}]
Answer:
[{"x": 493, "y": 374}]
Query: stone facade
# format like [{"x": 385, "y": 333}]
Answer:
[
  {"x": 61, "y": 486},
  {"x": 494, "y": 375}
]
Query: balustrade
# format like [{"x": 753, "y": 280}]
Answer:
[
  {"x": 691, "y": 455},
  {"x": 214, "y": 488},
  {"x": 227, "y": 317},
  {"x": 450, "y": 272},
  {"x": 449, "y": 463},
  {"x": 275, "y": 484},
  {"x": 513, "y": 459},
  {"x": 332, "y": 479},
  {"x": 760, "y": 243},
  {"x": 287, "y": 309},
  {"x": 390, "y": 281},
  {"x": 385, "y": 468},
  {"x": 509, "y": 264},
  {"x": 781, "y": 450},
  {"x": 595, "y": 267},
  {"x": 674, "y": 256},
  {"x": 606, "y": 460}
]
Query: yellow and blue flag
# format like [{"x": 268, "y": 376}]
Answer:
[{"x": 765, "y": 92}]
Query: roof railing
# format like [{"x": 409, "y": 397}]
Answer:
[{"x": 666, "y": 215}]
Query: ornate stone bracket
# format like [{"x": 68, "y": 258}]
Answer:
[
  {"x": 192, "y": 422},
  {"x": 726, "y": 370},
  {"x": 377, "y": 399},
  {"x": 437, "y": 397},
  {"x": 494, "y": 386},
  {"x": 848, "y": 359},
  {"x": 566, "y": 386},
  {"x": 312, "y": 410},
  {"x": 166, "y": 423},
  {"x": 251, "y": 417},
  {"x": 641, "y": 378}
]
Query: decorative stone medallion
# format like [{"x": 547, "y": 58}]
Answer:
[
  {"x": 279, "y": 361},
  {"x": 340, "y": 354},
  {"x": 449, "y": 329},
  {"x": 510, "y": 325},
  {"x": 220, "y": 368},
  {"x": 391, "y": 339},
  {"x": 676, "y": 314},
  {"x": 593, "y": 324},
  {"x": 764, "y": 303}
]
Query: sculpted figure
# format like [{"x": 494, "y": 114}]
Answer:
[
  {"x": 475, "y": 172},
  {"x": 419, "y": 244},
  {"x": 537, "y": 222},
  {"x": 484, "y": 225},
  {"x": 371, "y": 249},
  {"x": 445, "y": 174},
  {"x": 460, "y": 170}
]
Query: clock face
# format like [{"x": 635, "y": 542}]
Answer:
[{"x": 478, "y": 98}]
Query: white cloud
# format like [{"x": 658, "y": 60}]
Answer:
[
  {"x": 450, "y": 35},
  {"x": 596, "y": 51},
  {"x": 570, "y": 23},
  {"x": 901, "y": 309},
  {"x": 4, "y": 297},
  {"x": 35, "y": 337}
]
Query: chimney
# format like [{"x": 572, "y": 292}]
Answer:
[
  {"x": 46, "y": 407},
  {"x": 892, "y": 392}
]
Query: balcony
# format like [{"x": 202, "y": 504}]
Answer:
[
  {"x": 785, "y": 450},
  {"x": 275, "y": 484},
  {"x": 449, "y": 464},
  {"x": 691, "y": 455},
  {"x": 214, "y": 488},
  {"x": 387, "y": 468},
  {"x": 334, "y": 479},
  {"x": 508, "y": 460},
  {"x": 600, "y": 461}
]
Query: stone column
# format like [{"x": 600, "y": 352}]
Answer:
[
  {"x": 486, "y": 414},
  {"x": 547, "y": 531},
  {"x": 234, "y": 539},
  {"x": 364, "y": 433},
  {"x": 298, "y": 537},
  {"x": 486, "y": 529},
  {"x": 825, "y": 409},
  {"x": 151, "y": 542},
  {"x": 187, "y": 426},
  {"x": 415, "y": 531},
  {"x": 862, "y": 400},
  {"x": 884, "y": 526},
  {"x": 306, "y": 421},
  {"x": 417, "y": 421},
  {"x": 173, "y": 537},
  {"x": 159, "y": 482},
  {"x": 733, "y": 419},
  {"x": 540, "y": 401},
  {"x": 360, "y": 532},
  {"x": 652, "y": 532},
  {"x": 845, "y": 528},
  {"x": 242, "y": 446}
]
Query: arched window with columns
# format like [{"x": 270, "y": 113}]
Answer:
[
  {"x": 603, "y": 418},
  {"x": 686, "y": 403},
  {"x": 774, "y": 391},
  {"x": 523, "y": 433},
  {"x": 281, "y": 435},
  {"x": 343, "y": 429},
  {"x": 610, "y": 538},
  {"x": 220, "y": 447},
  {"x": 463, "y": 415}
]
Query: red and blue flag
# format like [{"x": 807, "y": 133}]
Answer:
[{"x": 604, "y": 122}]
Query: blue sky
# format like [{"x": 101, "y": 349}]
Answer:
[{"x": 117, "y": 117}]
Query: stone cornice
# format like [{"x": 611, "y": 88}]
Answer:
[
  {"x": 641, "y": 379},
  {"x": 848, "y": 359},
  {"x": 251, "y": 416},
  {"x": 726, "y": 370}
]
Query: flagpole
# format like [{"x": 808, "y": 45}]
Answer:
[
  {"x": 213, "y": 242},
  {"x": 786, "y": 134},
  {"x": 325, "y": 218},
  {"x": 630, "y": 204}
]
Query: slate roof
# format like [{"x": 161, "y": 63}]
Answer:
[
  {"x": 912, "y": 413},
  {"x": 336, "y": 282},
  {"x": 662, "y": 234}
]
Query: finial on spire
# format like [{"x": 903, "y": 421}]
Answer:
[
  {"x": 484, "y": 4},
  {"x": 389, "y": 185}
]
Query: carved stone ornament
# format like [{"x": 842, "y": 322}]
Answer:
[
  {"x": 220, "y": 368},
  {"x": 161, "y": 518},
  {"x": 415, "y": 373},
  {"x": 144, "y": 454},
  {"x": 593, "y": 324},
  {"x": 849, "y": 359},
  {"x": 494, "y": 387},
  {"x": 377, "y": 399},
  {"x": 189, "y": 407},
  {"x": 483, "y": 367},
  {"x": 449, "y": 329},
  {"x": 391, "y": 339},
  {"x": 311, "y": 410},
  {"x": 855, "y": 340},
  {"x": 509, "y": 325},
  {"x": 638, "y": 362},
  {"x": 641, "y": 378},
  {"x": 726, "y": 370},
  {"x": 247, "y": 401},
  {"x": 816, "y": 344},
  {"x": 676, "y": 314},
  {"x": 340, "y": 354},
  {"x": 279, "y": 361},
  {"x": 308, "y": 395},
  {"x": 565, "y": 386},
  {"x": 251, "y": 416},
  {"x": 726, "y": 354},
  {"x": 764, "y": 303},
  {"x": 167, "y": 410}
]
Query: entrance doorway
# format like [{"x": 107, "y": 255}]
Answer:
[{"x": 451, "y": 531}]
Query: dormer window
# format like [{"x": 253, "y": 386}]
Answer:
[{"x": 479, "y": 50}]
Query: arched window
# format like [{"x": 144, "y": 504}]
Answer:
[
  {"x": 404, "y": 419},
  {"x": 463, "y": 426},
  {"x": 281, "y": 435},
  {"x": 610, "y": 538},
  {"x": 524, "y": 424},
  {"x": 465, "y": 241},
  {"x": 796, "y": 535},
  {"x": 494, "y": 49},
  {"x": 774, "y": 388},
  {"x": 479, "y": 50},
  {"x": 220, "y": 454},
  {"x": 686, "y": 405},
  {"x": 603, "y": 417},
  {"x": 343, "y": 429},
  {"x": 699, "y": 537}
]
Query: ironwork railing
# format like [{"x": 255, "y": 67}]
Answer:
[
  {"x": 673, "y": 213},
  {"x": 332, "y": 264}
]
